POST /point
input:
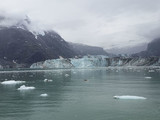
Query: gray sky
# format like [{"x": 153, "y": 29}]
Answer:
[{"x": 105, "y": 23}]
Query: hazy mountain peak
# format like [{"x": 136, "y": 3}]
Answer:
[
  {"x": 23, "y": 22},
  {"x": 129, "y": 49}
]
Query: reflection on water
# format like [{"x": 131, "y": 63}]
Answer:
[{"x": 82, "y": 94}]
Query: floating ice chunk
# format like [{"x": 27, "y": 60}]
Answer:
[
  {"x": 46, "y": 80},
  {"x": 44, "y": 95},
  {"x": 129, "y": 97},
  {"x": 151, "y": 71},
  {"x": 12, "y": 82},
  {"x": 50, "y": 80},
  {"x": 23, "y": 87},
  {"x": 66, "y": 75},
  {"x": 148, "y": 77}
]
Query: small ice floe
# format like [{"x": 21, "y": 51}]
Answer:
[
  {"x": 12, "y": 82},
  {"x": 151, "y": 71},
  {"x": 23, "y": 87},
  {"x": 148, "y": 77},
  {"x": 47, "y": 80},
  {"x": 117, "y": 71},
  {"x": 66, "y": 75},
  {"x": 44, "y": 95},
  {"x": 129, "y": 97}
]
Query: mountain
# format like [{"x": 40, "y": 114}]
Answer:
[
  {"x": 128, "y": 50},
  {"x": 153, "y": 49},
  {"x": 22, "y": 45},
  {"x": 82, "y": 49}
]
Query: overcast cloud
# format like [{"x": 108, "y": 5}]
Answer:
[{"x": 105, "y": 23}]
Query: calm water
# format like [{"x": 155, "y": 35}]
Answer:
[{"x": 73, "y": 98}]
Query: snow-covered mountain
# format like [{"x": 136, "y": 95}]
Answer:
[{"x": 23, "y": 43}]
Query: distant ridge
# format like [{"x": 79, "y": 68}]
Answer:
[
  {"x": 153, "y": 49},
  {"x": 82, "y": 49}
]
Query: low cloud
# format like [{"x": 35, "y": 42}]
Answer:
[{"x": 94, "y": 22}]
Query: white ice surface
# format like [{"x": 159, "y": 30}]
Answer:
[
  {"x": 23, "y": 87},
  {"x": 148, "y": 77},
  {"x": 44, "y": 95},
  {"x": 129, "y": 97},
  {"x": 11, "y": 82},
  {"x": 48, "y": 80}
]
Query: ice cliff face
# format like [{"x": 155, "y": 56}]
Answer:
[
  {"x": 85, "y": 62},
  {"x": 96, "y": 61}
]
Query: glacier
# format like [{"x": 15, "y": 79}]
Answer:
[
  {"x": 85, "y": 62},
  {"x": 96, "y": 61}
]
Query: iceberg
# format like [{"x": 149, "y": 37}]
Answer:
[
  {"x": 129, "y": 97},
  {"x": 66, "y": 75},
  {"x": 148, "y": 77},
  {"x": 47, "y": 80},
  {"x": 12, "y": 82},
  {"x": 151, "y": 71},
  {"x": 23, "y": 87},
  {"x": 44, "y": 95}
]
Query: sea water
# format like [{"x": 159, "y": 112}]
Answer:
[{"x": 84, "y": 94}]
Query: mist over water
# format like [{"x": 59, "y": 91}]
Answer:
[{"x": 81, "y": 94}]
